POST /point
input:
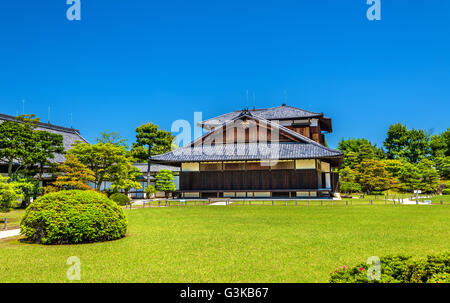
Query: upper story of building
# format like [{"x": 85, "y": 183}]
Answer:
[{"x": 309, "y": 124}]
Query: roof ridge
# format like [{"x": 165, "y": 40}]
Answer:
[
  {"x": 43, "y": 124},
  {"x": 305, "y": 110},
  {"x": 307, "y": 113}
]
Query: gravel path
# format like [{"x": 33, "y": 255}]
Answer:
[{"x": 9, "y": 233}]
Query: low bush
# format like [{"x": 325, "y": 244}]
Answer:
[
  {"x": 446, "y": 191},
  {"x": 73, "y": 216},
  {"x": 120, "y": 198},
  {"x": 110, "y": 191},
  {"x": 150, "y": 191},
  {"x": 397, "y": 269}
]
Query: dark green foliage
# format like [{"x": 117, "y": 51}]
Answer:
[
  {"x": 108, "y": 161},
  {"x": 16, "y": 143},
  {"x": 398, "y": 269},
  {"x": 46, "y": 146},
  {"x": 33, "y": 149},
  {"x": 110, "y": 191},
  {"x": 423, "y": 271},
  {"x": 440, "y": 144},
  {"x": 164, "y": 181},
  {"x": 373, "y": 176},
  {"x": 120, "y": 198},
  {"x": 358, "y": 150},
  {"x": 73, "y": 216},
  {"x": 139, "y": 153},
  {"x": 446, "y": 191},
  {"x": 415, "y": 160},
  {"x": 429, "y": 176},
  {"x": 443, "y": 166},
  {"x": 112, "y": 138},
  {"x": 154, "y": 140},
  {"x": 411, "y": 145},
  {"x": 347, "y": 180}
]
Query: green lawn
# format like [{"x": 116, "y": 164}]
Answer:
[
  {"x": 437, "y": 199},
  {"x": 13, "y": 218},
  {"x": 237, "y": 244}
]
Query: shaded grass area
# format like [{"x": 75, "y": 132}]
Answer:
[
  {"x": 236, "y": 244},
  {"x": 13, "y": 219}
]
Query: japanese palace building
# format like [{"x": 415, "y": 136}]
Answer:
[{"x": 271, "y": 152}]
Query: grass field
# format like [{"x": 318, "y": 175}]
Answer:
[
  {"x": 355, "y": 201},
  {"x": 13, "y": 218},
  {"x": 237, "y": 244}
]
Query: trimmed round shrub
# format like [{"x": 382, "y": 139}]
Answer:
[
  {"x": 73, "y": 216},
  {"x": 120, "y": 198},
  {"x": 446, "y": 191}
]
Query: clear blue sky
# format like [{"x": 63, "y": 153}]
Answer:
[{"x": 128, "y": 62}]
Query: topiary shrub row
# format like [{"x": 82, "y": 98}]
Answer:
[
  {"x": 73, "y": 216},
  {"x": 398, "y": 269},
  {"x": 120, "y": 198}
]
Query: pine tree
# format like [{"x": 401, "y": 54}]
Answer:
[{"x": 164, "y": 181}]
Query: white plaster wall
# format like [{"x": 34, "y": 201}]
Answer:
[
  {"x": 190, "y": 166},
  {"x": 305, "y": 164}
]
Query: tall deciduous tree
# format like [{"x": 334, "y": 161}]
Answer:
[
  {"x": 357, "y": 150},
  {"x": 113, "y": 138},
  {"x": 156, "y": 141},
  {"x": 16, "y": 144},
  {"x": 412, "y": 145},
  {"x": 373, "y": 176},
  {"x": 31, "y": 150},
  {"x": 46, "y": 146},
  {"x": 73, "y": 175},
  {"x": 106, "y": 160},
  {"x": 347, "y": 180},
  {"x": 430, "y": 177},
  {"x": 128, "y": 180},
  {"x": 443, "y": 166},
  {"x": 28, "y": 186},
  {"x": 409, "y": 177},
  {"x": 139, "y": 153}
]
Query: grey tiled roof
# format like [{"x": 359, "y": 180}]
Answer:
[
  {"x": 70, "y": 135},
  {"x": 305, "y": 149},
  {"x": 155, "y": 167},
  {"x": 248, "y": 151},
  {"x": 273, "y": 113}
]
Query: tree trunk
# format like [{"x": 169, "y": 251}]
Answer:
[
  {"x": 99, "y": 184},
  {"x": 10, "y": 165},
  {"x": 148, "y": 166}
]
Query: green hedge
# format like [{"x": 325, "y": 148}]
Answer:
[
  {"x": 398, "y": 269},
  {"x": 120, "y": 198},
  {"x": 73, "y": 216}
]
